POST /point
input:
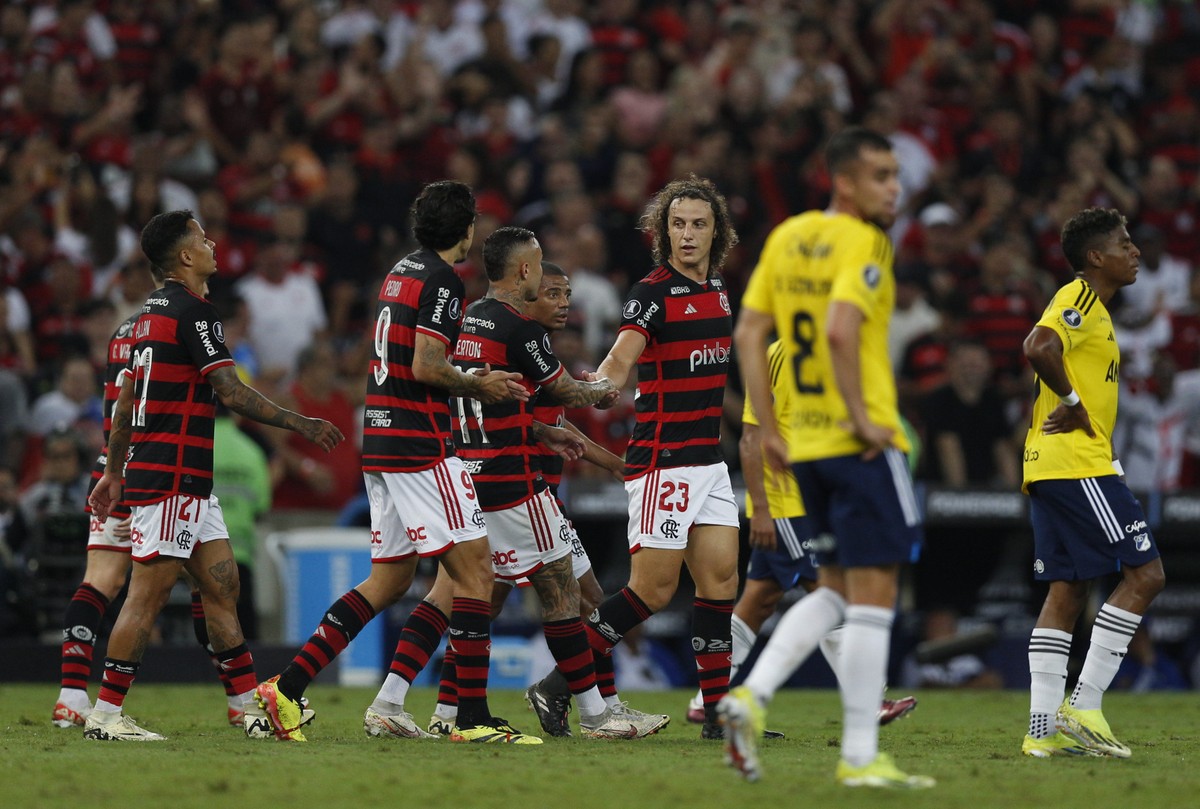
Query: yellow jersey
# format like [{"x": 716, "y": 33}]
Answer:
[
  {"x": 783, "y": 494},
  {"x": 808, "y": 262},
  {"x": 1093, "y": 364}
]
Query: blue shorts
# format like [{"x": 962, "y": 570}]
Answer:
[
  {"x": 1087, "y": 528},
  {"x": 867, "y": 507},
  {"x": 794, "y": 558}
]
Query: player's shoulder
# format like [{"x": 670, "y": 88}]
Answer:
[
  {"x": 658, "y": 277},
  {"x": 125, "y": 330},
  {"x": 419, "y": 263},
  {"x": 1074, "y": 303}
]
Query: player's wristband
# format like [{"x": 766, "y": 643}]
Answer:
[
  {"x": 1070, "y": 400},
  {"x": 1117, "y": 466}
]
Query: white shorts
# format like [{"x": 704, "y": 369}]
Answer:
[
  {"x": 528, "y": 536},
  {"x": 422, "y": 512},
  {"x": 173, "y": 527},
  {"x": 580, "y": 563},
  {"x": 664, "y": 504},
  {"x": 102, "y": 538}
]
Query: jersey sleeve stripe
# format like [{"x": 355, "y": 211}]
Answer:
[
  {"x": 434, "y": 333},
  {"x": 212, "y": 366}
]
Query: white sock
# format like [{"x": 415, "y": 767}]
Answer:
[
  {"x": 590, "y": 702},
  {"x": 106, "y": 707},
  {"x": 743, "y": 643},
  {"x": 74, "y": 698},
  {"x": 612, "y": 701},
  {"x": 866, "y": 641},
  {"x": 795, "y": 637},
  {"x": 444, "y": 711},
  {"x": 393, "y": 691},
  {"x": 240, "y": 701},
  {"x": 1110, "y": 641},
  {"x": 1048, "y": 651},
  {"x": 831, "y": 647}
]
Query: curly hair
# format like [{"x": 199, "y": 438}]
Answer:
[
  {"x": 656, "y": 219},
  {"x": 442, "y": 214},
  {"x": 1084, "y": 230}
]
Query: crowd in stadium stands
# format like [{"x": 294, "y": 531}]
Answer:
[{"x": 300, "y": 130}]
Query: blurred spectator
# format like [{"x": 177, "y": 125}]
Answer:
[
  {"x": 131, "y": 287},
  {"x": 285, "y": 307},
  {"x": 1184, "y": 347},
  {"x": 1163, "y": 280},
  {"x": 312, "y": 477},
  {"x": 968, "y": 439},
  {"x": 74, "y": 399},
  {"x": 88, "y": 227},
  {"x": 62, "y": 482},
  {"x": 913, "y": 315},
  {"x": 1001, "y": 310},
  {"x": 1152, "y": 424},
  {"x": 16, "y": 341},
  {"x": 809, "y": 63}
]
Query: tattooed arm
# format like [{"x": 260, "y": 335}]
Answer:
[
  {"x": 241, "y": 398},
  {"x": 573, "y": 392},
  {"x": 431, "y": 367}
]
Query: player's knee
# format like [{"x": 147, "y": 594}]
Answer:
[
  {"x": 1149, "y": 579},
  {"x": 107, "y": 583}
]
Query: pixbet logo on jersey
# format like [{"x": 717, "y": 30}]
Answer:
[{"x": 709, "y": 355}]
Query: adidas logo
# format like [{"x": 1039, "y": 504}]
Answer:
[{"x": 690, "y": 310}]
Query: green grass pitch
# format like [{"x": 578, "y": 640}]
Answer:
[{"x": 969, "y": 741}]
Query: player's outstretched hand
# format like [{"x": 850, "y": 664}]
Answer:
[
  {"x": 104, "y": 496},
  {"x": 609, "y": 399},
  {"x": 322, "y": 433},
  {"x": 1064, "y": 419},
  {"x": 499, "y": 386},
  {"x": 564, "y": 442},
  {"x": 124, "y": 528}
]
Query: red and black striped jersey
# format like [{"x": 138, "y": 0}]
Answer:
[
  {"x": 407, "y": 423},
  {"x": 548, "y": 411},
  {"x": 178, "y": 341},
  {"x": 120, "y": 347},
  {"x": 681, "y": 372},
  {"x": 495, "y": 441}
]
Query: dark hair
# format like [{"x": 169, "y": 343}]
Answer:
[
  {"x": 160, "y": 239},
  {"x": 655, "y": 220},
  {"x": 552, "y": 269},
  {"x": 846, "y": 146},
  {"x": 499, "y": 247},
  {"x": 442, "y": 214},
  {"x": 1083, "y": 230}
]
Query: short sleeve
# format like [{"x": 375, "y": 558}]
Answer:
[
  {"x": 203, "y": 336},
  {"x": 860, "y": 275},
  {"x": 441, "y": 306},
  {"x": 644, "y": 310},
  {"x": 1069, "y": 315},
  {"x": 532, "y": 355}
]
